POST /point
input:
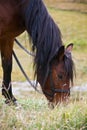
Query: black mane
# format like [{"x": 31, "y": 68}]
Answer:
[
  {"x": 45, "y": 34},
  {"x": 70, "y": 68}
]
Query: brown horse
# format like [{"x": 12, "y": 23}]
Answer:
[{"x": 53, "y": 63}]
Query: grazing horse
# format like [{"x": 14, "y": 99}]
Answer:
[{"x": 53, "y": 62}]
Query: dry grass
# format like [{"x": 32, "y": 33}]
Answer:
[
  {"x": 59, "y": 4},
  {"x": 34, "y": 114}
]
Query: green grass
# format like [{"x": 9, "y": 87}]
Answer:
[
  {"x": 34, "y": 114},
  {"x": 72, "y": 24}
]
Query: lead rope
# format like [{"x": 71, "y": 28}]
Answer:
[
  {"x": 21, "y": 68},
  {"x": 23, "y": 48}
]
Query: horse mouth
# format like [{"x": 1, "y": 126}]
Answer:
[{"x": 64, "y": 100}]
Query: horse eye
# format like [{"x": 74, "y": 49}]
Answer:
[{"x": 60, "y": 76}]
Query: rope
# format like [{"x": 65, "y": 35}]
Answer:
[
  {"x": 29, "y": 53},
  {"x": 21, "y": 68}
]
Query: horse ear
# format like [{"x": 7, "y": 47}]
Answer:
[
  {"x": 60, "y": 54},
  {"x": 69, "y": 47}
]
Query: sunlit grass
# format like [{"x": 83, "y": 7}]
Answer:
[
  {"x": 72, "y": 24},
  {"x": 67, "y": 5},
  {"x": 34, "y": 114}
]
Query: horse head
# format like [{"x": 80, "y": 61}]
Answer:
[{"x": 57, "y": 85}]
